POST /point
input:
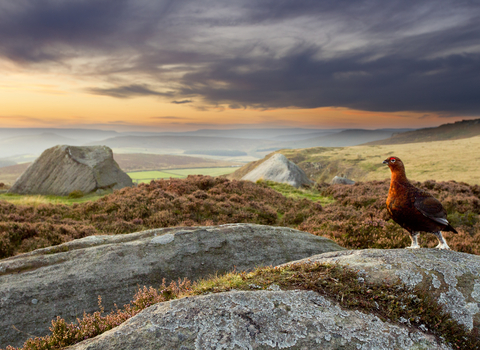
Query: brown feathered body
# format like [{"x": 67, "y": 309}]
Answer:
[{"x": 412, "y": 208}]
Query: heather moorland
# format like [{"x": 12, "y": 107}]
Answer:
[{"x": 353, "y": 216}]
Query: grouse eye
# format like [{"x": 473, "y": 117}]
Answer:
[{"x": 392, "y": 160}]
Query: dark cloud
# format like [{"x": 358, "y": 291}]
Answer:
[
  {"x": 182, "y": 102},
  {"x": 128, "y": 91},
  {"x": 389, "y": 83},
  {"x": 400, "y": 55}
]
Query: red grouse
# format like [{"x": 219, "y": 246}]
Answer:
[{"x": 415, "y": 209}]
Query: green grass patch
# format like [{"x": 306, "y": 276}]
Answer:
[
  {"x": 147, "y": 176},
  {"x": 35, "y": 200},
  {"x": 389, "y": 301},
  {"x": 298, "y": 193}
]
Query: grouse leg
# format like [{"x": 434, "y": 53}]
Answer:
[
  {"x": 442, "y": 242},
  {"x": 414, "y": 238}
]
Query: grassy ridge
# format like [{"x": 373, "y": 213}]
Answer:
[
  {"x": 458, "y": 130},
  {"x": 440, "y": 160}
]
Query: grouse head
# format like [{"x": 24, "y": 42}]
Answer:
[{"x": 395, "y": 165}]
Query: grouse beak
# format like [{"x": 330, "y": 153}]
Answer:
[{"x": 385, "y": 162}]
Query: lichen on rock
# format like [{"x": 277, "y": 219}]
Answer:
[
  {"x": 452, "y": 277},
  {"x": 258, "y": 320}
]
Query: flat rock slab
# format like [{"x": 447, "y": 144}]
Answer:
[
  {"x": 257, "y": 320},
  {"x": 452, "y": 277},
  {"x": 66, "y": 280}
]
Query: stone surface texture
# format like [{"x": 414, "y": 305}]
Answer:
[
  {"x": 452, "y": 277},
  {"x": 279, "y": 169},
  {"x": 257, "y": 320},
  {"x": 63, "y": 169},
  {"x": 66, "y": 280},
  {"x": 339, "y": 180}
]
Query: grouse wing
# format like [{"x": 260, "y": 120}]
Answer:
[{"x": 431, "y": 208}]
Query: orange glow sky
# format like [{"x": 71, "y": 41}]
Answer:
[
  {"x": 31, "y": 99},
  {"x": 158, "y": 65}
]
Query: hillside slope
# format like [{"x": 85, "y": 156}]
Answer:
[
  {"x": 345, "y": 138},
  {"x": 454, "y": 131},
  {"x": 439, "y": 160}
]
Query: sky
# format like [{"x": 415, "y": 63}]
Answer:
[{"x": 158, "y": 65}]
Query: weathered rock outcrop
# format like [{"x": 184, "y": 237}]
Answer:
[
  {"x": 279, "y": 169},
  {"x": 63, "y": 169},
  {"x": 304, "y": 319},
  {"x": 340, "y": 180},
  {"x": 452, "y": 277},
  {"x": 257, "y": 320},
  {"x": 66, "y": 280}
]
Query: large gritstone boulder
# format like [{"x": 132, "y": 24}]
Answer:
[
  {"x": 66, "y": 280},
  {"x": 279, "y": 169},
  {"x": 263, "y": 320},
  {"x": 63, "y": 169}
]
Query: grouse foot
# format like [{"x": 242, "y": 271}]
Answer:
[
  {"x": 413, "y": 247},
  {"x": 443, "y": 246},
  {"x": 442, "y": 243},
  {"x": 414, "y": 238}
]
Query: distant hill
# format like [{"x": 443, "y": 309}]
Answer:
[
  {"x": 144, "y": 162},
  {"x": 304, "y": 136},
  {"x": 176, "y": 143},
  {"x": 345, "y": 138},
  {"x": 185, "y": 143},
  {"x": 10, "y": 174},
  {"x": 453, "y": 131},
  {"x": 33, "y": 141},
  {"x": 82, "y": 135},
  {"x": 6, "y": 162},
  {"x": 255, "y": 133},
  {"x": 219, "y": 152},
  {"x": 32, "y": 144}
]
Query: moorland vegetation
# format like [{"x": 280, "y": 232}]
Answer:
[{"x": 353, "y": 216}]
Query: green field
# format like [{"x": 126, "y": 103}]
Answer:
[{"x": 147, "y": 176}]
